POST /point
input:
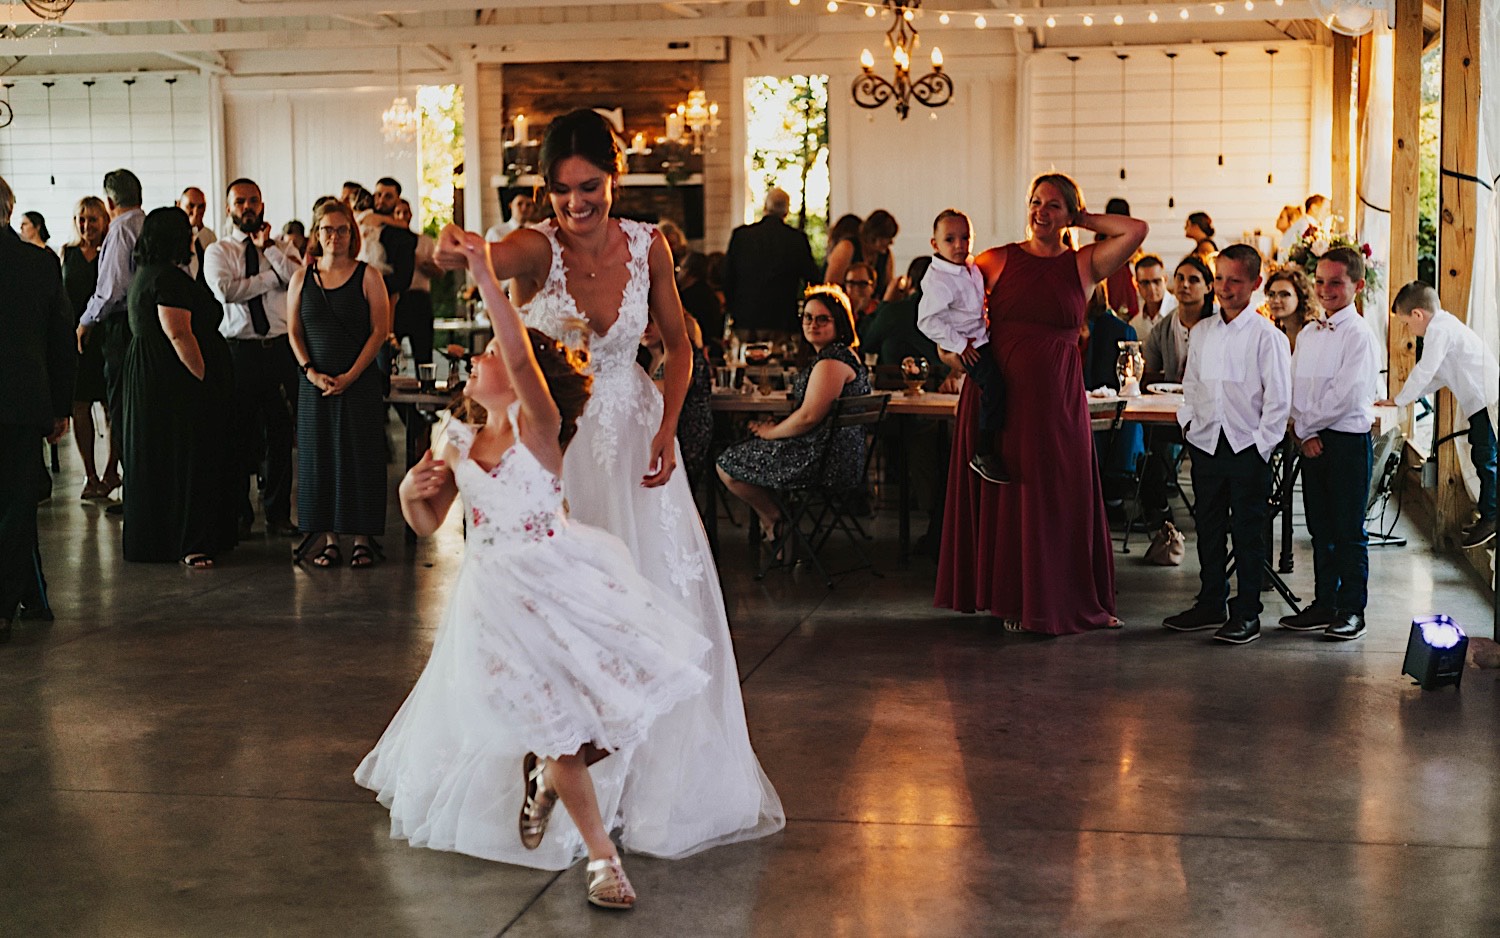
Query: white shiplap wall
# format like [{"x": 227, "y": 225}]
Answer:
[
  {"x": 160, "y": 132},
  {"x": 302, "y": 144},
  {"x": 1173, "y": 152}
]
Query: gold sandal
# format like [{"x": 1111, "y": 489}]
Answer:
[
  {"x": 537, "y": 805},
  {"x": 609, "y": 887}
]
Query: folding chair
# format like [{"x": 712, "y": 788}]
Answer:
[{"x": 812, "y": 512}]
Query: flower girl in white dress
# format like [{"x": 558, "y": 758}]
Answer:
[{"x": 555, "y": 654}]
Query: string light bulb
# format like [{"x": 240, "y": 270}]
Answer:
[
  {"x": 794, "y": 2},
  {"x": 1183, "y": 13},
  {"x": 1018, "y": 19},
  {"x": 870, "y": 12},
  {"x": 1249, "y": 4},
  {"x": 833, "y": 6},
  {"x": 1088, "y": 20},
  {"x": 944, "y": 19},
  {"x": 908, "y": 15},
  {"x": 1219, "y": 8},
  {"x": 980, "y": 22},
  {"x": 1151, "y": 17},
  {"x": 1051, "y": 22},
  {"x": 1119, "y": 20}
]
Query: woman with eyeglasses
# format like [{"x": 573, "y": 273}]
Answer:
[
  {"x": 786, "y": 452},
  {"x": 178, "y": 387},
  {"x": 338, "y": 316}
]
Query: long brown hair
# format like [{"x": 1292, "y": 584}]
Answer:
[
  {"x": 1072, "y": 197},
  {"x": 1307, "y": 304},
  {"x": 568, "y": 382}
]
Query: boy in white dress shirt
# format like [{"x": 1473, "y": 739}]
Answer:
[
  {"x": 951, "y": 314},
  {"x": 1334, "y": 386},
  {"x": 1237, "y": 394},
  {"x": 1455, "y": 358}
]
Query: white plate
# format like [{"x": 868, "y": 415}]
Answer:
[{"x": 1164, "y": 387}]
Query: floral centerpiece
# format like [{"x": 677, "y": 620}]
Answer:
[{"x": 1315, "y": 242}]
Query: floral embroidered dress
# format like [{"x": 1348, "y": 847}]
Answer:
[
  {"x": 551, "y": 640},
  {"x": 717, "y": 793}
]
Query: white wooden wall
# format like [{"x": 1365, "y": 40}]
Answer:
[
  {"x": 161, "y": 133},
  {"x": 302, "y": 144},
  {"x": 1169, "y": 152}
]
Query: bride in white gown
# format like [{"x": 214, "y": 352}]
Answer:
[{"x": 581, "y": 270}]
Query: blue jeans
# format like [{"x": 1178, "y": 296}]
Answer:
[
  {"x": 1335, "y": 487},
  {"x": 1482, "y": 451}
]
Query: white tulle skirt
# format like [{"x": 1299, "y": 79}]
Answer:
[{"x": 542, "y": 650}]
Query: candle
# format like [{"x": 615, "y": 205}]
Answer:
[
  {"x": 638, "y": 143},
  {"x": 674, "y": 127},
  {"x": 520, "y": 129}
]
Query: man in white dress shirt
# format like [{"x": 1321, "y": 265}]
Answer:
[
  {"x": 522, "y": 214},
  {"x": 1334, "y": 375},
  {"x": 1156, "y": 303},
  {"x": 1455, "y": 358},
  {"x": 195, "y": 205},
  {"x": 1237, "y": 394},
  {"x": 248, "y": 271}
]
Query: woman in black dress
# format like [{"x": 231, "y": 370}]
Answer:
[
  {"x": 786, "y": 452},
  {"x": 80, "y": 272},
  {"x": 178, "y": 394},
  {"x": 338, "y": 316}
]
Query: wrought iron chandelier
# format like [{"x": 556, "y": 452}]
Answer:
[
  {"x": 934, "y": 89},
  {"x": 49, "y": 9}
]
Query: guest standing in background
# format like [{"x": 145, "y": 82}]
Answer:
[
  {"x": 1037, "y": 553},
  {"x": 249, "y": 272},
  {"x": 37, "y": 362},
  {"x": 399, "y": 245},
  {"x": 873, "y": 246},
  {"x": 1237, "y": 396},
  {"x": 294, "y": 234},
  {"x": 80, "y": 271},
  {"x": 522, "y": 214},
  {"x": 1119, "y": 288},
  {"x": 765, "y": 269},
  {"x": 1199, "y": 229},
  {"x": 412, "y": 316},
  {"x": 178, "y": 389},
  {"x": 34, "y": 231},
  {"x": 701, "y": 302},
  {"x": 338, "y": 315},
  {"x": 105, "y": 310},
  {"x": 195, "y": 205}
]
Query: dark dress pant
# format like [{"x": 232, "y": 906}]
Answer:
[
  {"x": 1335, "y": 491},
  {"x": 1482, "y": 451},
  {"x": 413, "y": 321},
  {"x": 265, "y": 393},
  {"x": 20, "y": 479},
  {"x": 1233, "y": 492}
]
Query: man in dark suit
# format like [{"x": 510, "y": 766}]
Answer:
[
  {"x": 37, "y": 363},
  {"x": 765, "y": 269}
]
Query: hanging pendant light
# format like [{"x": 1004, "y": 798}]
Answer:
[
  {"x": 1271, "y": 109},
  {"x": 1221, "y": 53},
  {"x": 1073, "y": 154},
  {"x": 1172, "y": 135},
  {"x": 1122, "y": 57},
  {"x": 7, "y": 113},
  {"x": 172, "y": 116},
  {"x": 51, "y": 157},
  {"x": 130, "y": 114}
]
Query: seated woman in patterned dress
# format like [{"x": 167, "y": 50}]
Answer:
[{"x": 786, "y": 452}]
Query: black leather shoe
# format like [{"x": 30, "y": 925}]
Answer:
[
  {"x": 282, "y": 529},
  {"x": 989, "y": 468},
  {"x": 1347, "y": 627},
  {"x": 1310, "y": 619},
  {"x": 1239, "y": 631},
  {"x": 1198, "y": 617}
]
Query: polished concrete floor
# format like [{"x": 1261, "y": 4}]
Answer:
[{"x": 176, "y": 750}]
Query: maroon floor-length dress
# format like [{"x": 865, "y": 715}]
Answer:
[{"x": 1038, "y": 549}]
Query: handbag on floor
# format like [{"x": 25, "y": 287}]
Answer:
[{"x": 1167, "y": 546}]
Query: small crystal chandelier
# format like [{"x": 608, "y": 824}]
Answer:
[
  {"x": 700, "y": 115},
  {"x": 399, "y": 121},
  {"x": 934, "y": 89}
]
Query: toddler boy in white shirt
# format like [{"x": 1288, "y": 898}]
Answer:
[
  {"x": 951, "y": 314},
  {"x": 1454, "y": 357}
]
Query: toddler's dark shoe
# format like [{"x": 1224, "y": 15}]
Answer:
[{"x": 989, "y": 468}]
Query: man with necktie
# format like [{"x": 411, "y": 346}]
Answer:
[{"x": 248, "y": 272}]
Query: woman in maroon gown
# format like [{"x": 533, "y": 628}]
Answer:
[{"x": 1037, "y": 552}]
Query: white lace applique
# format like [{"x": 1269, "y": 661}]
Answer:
[{"x": 684, "y": 565}]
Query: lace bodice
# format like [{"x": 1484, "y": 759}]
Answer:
[
  {"x": 618, "y": 397},
  {"x": 515, "y": 505}
]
